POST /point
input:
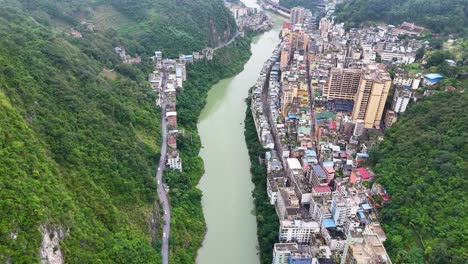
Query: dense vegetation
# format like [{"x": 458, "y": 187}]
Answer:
[
  {"x": 176, "y": 26},
  {"x": 447, "y": 17},
  {"x": 77, "y": 150},
  {"x": 454, "y": 74},
  {"x": 423, "y": 164},
  {"x": 187, "y": 222},
  {"x": 80, "y": 143},
  {"x": 267, "y": 220},
  {"x": 173, "y": 26}
]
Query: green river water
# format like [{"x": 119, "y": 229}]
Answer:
[{"x": 227, "y": 200}]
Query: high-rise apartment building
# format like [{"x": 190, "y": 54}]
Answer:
[
  {"x": 370, "y": 99},
  {"x": 298, "y": 41},
  {"x": 289, "y": 93},
  {"x": 343, "y": 83},
  {"x": 297, "y": 15}
]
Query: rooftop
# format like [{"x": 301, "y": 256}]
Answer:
[
  {"x": 294, "y": 164},
  {"x": 285, "y": 246},
  {"x": 321, "y": 189}
]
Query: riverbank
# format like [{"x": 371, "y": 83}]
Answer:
[
  {"x": 188, "y": 224},
  {"x": 267, "y": 219}
]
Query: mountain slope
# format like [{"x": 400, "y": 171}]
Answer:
[
  {"x": 423, "y": 165},
  {"x": 80, "y": 142},
  {"x": 447, "y": 17},
  {"x": 94, "y": 175}
]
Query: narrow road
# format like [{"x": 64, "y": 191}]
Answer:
[{"x": 161, "y": 192}]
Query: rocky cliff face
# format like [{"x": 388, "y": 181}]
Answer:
[{"x": 50, "y": 247}]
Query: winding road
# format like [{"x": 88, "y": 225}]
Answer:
[{"x": 161, "y": 192}]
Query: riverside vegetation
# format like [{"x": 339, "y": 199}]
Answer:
[
  {"x": 267, "y": 219},
  {"x": 79, "y": 146}
]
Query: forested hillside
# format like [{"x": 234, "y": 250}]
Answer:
[
  {"x": 450, "y": 16},
  {"x": 423, "y": 163},
  {"x": 173, "y": 26},
  {"x": 79, "y": 130}
]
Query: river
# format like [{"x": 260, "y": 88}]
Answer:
[{"x": 231, "y": 236}]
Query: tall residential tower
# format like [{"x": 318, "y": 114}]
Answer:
[{"x": 371, "y": 96}]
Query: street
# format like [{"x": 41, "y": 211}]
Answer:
[{"x": 161, "y": 192}]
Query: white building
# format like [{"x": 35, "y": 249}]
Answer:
[
  {"x": 282, "y": 252},
  {"x": 343, "y": 208},
  {"x": 401, "y": 99},
  {"x": 174, "y": 161},
  {"x": 300, "y": 231}
]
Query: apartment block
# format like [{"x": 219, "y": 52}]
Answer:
[
  {"x": 300, "y": 231},
  {"x": 343, "y": 83},
  {"x": 371, "y": 96}
]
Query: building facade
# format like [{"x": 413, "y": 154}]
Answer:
[
  {"x": 343, "y": 83},
  {"x": 371, "y": 96}
]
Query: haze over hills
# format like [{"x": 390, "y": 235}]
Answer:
[{"x": 78, "y": 141}]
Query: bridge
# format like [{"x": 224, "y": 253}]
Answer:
[{"x": 278, "y": 8}]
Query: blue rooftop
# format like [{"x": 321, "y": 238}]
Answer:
[
  {"x": 319, "y": 171},
  {"x": 366, "y": 207},
  {"x": 361, "y": 214},
  {"x": 328, "y": 223},
  {"x": 433, "y": 76}
]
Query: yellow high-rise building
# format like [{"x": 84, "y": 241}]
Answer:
[
  {"x": 370, "y": 99},
  {"x": 289, "y": 93}
]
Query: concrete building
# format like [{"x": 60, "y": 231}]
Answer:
[
  {"x": 289, "y": 93},
  {"x": 371, "y": 96},
  {"x": 318, "y": 175},
  {"x": 291, "y": 253},
  {"x": 343, "y": 83},
  {"x": 287, "y": 205},
  {"x": 401, "y": 99},
  {"x": 282, "y": 252},
  {"x": 173, "y": 160},
  {"x": 297, "y": 15},
  {"x": 300, "y": 231},
  {"x": 343, "y": 208},
  {"x": 364, "y": 247},
  {"x": 390, "y": 118}
]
